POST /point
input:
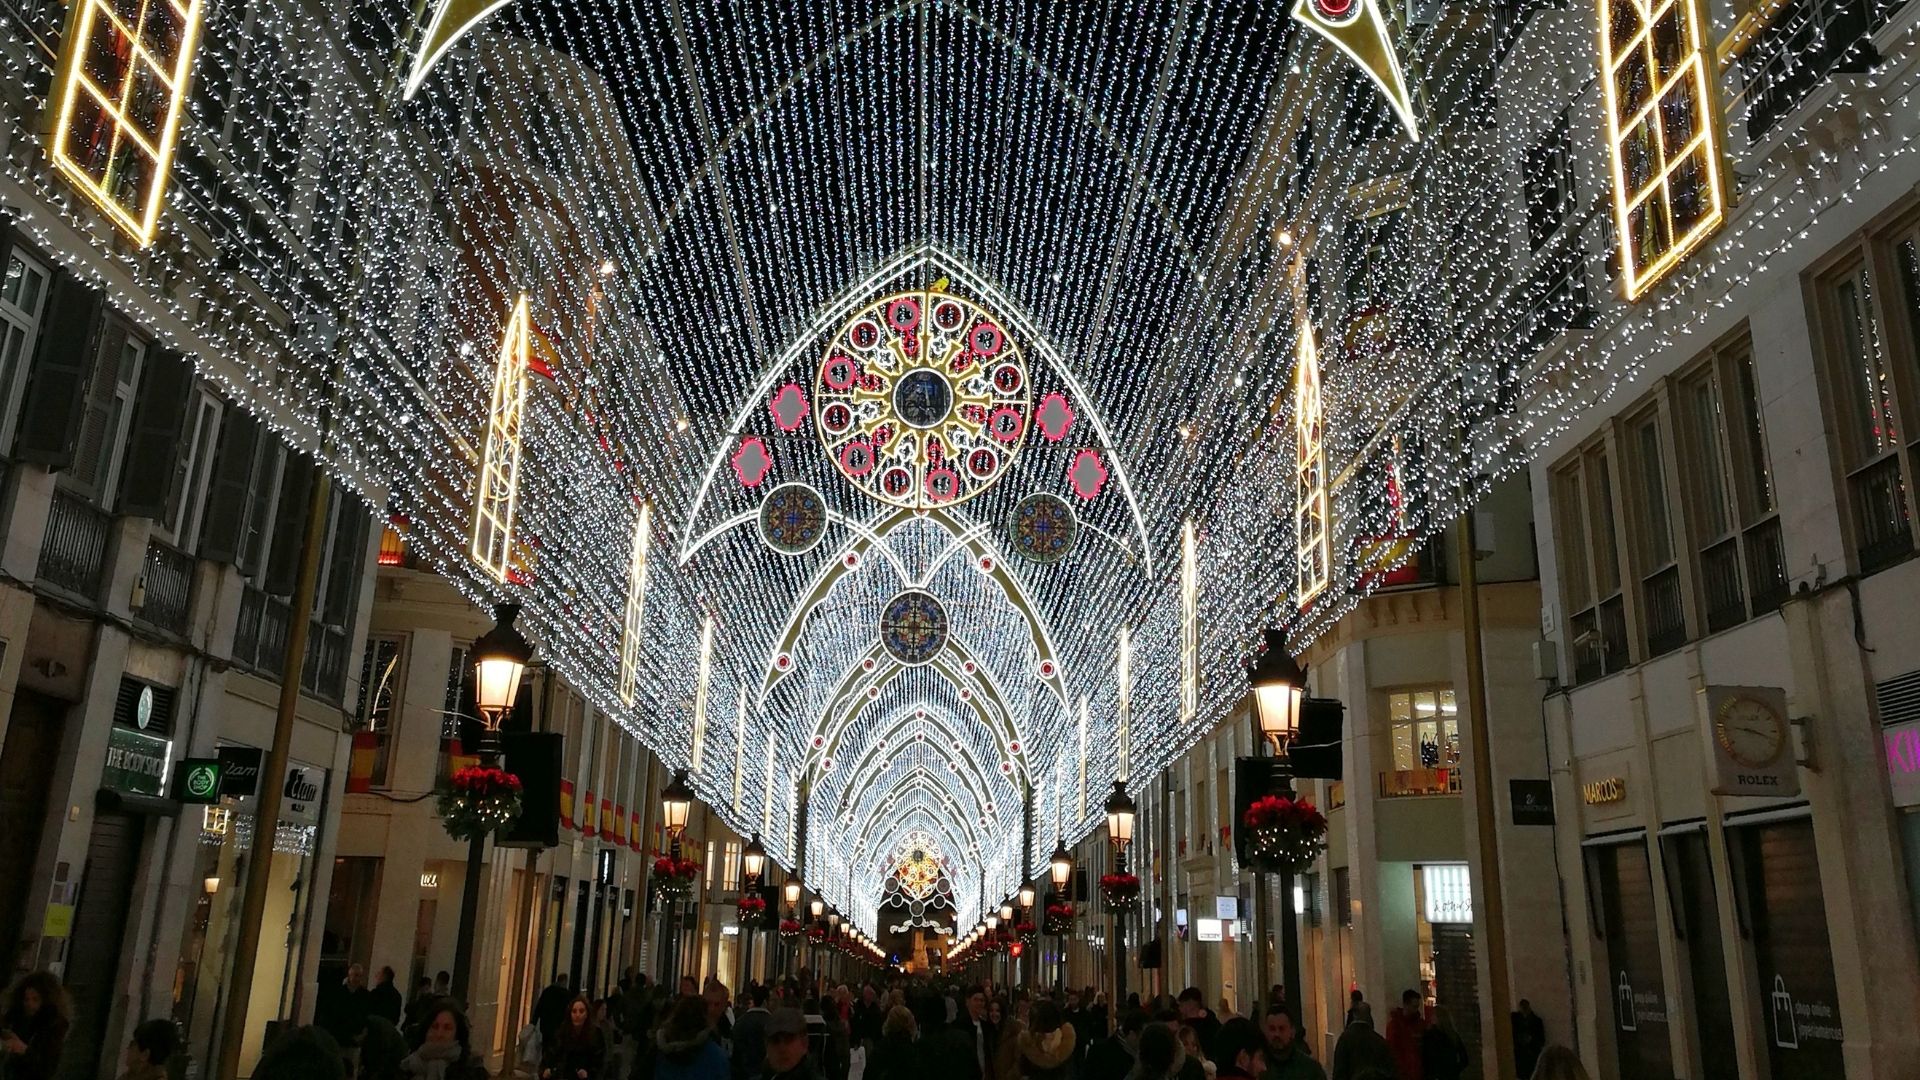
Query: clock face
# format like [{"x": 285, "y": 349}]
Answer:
[{"x": 1751, "y": 733}]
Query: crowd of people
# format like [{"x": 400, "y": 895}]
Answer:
[{"x": 805, "y": 1028}]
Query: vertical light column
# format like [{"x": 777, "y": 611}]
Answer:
[
  {"x": 739, "y": 743},
  {"x": 1083, "y": 760},
  {"x": 1310, "y": 519},
  {"x": 636, "y": 606},
  {"x": 1123, "y": 668},
  {"x": 766, "y": 803},
  {"x": 499, "y": 486},
  {"x": 700, "y": 691},
  {"x": 1189, "y": 625}
]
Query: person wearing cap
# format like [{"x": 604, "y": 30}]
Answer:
[
  {"x": 787, "y": 1057},
  {"x": 1237, "y": 1050}
]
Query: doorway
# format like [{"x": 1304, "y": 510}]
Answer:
[
  {"x": 99, "y": 931},
  {"x": 33, "y": 740}
]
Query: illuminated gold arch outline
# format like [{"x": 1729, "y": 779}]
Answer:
[
  {"x": 498, "y": 488},
  {"x": 1364, "y": 36}
]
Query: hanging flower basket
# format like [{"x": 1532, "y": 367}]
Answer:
[
  {"x": 789, "y": 928},
  {"x": 1027, "y": 932},
  {"x": 751, "y": 913},
  {"x": 1059, "y": 919},
  {"x": 1120, "y": 891},
  {"x": 1284, "y": 835},
  {"x": 674, "y": 877},
  {"x": 816, "y": 934},
  {"x": 478, "y": 800}
]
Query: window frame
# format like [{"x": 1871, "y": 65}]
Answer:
[
  {"x": 1440, "y": 692},
  {"x": 367, "y": 694},
  {"x": 186, "y": 504},
  {"x": 1575, "y": 543},
  {"x": 16, "y": 319}
]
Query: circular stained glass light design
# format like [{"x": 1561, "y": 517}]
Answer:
[
  {"x": 1044, "y": 528},
  {"x": 922, "y": 399},
  {"x": 793, "y": 518},
  {"x": 913, "y": 627}
]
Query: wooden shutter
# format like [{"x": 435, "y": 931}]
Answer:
[
  {"x": 224, "y": 526},
  {"x": 153, "y": 441},
  {"x": 289, "y": 525},
  {"x": 345, "y": 558},
  {"x": 63, "y": 362},
  {"x": 92, "y": 454}
]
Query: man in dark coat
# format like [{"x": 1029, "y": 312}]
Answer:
[
  {"x": 1194, "y": 1011},
  {"x": 1361, "y": 1048},
  {"x": 550, "y": 1008},
  {"x": 1114, "y": 1056},
  {"x": 384, "y": 999}
]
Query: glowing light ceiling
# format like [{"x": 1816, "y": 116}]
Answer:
[{"x": 1114, "y": 225}]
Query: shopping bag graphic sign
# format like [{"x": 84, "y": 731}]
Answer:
[
  {"x": 1785, "y": 1034},
  {"x": 1625, "y": 1006}
]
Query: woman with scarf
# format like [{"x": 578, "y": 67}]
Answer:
[{"x": 444, "y": 1052}]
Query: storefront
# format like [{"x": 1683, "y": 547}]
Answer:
[
  {"x": 1626, "y": 930},
  {"x": 1779, "y": 898},
  {"x": 1700, "y": 938},
  {"x": 201, "y": 982}
]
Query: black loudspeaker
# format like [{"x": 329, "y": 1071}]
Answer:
[
  {"x": 1150, "y": 954},
  {"x": 1317, "y": 752},
  {"x": 534, "y": 757}
]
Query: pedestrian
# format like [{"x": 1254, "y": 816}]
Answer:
[
  {"x": 788, "y": 1057},
  {"x": 302, "y": 1053},
  {"x": 749, "y": 1057},
  {"x": 1405, "y": 1027},
  {"x": 1353, "y": 998},
  {"x": 147, "y": 1052},
  {"x": 578, "y": 1048},
  {"x": 689, "y": 1048},
  {"x": 1360, "y": 1049},
  {"x": 33, "y": 1029},
  {"x": 384, "y": 998},
  {"x": 1158, "y": 1052},
  {"x": 550, "y": 1008},
  {"x": 1287, "y": 1059},
  {"x": 1194, "y": 1011},
  {"x": 343, "y": 1012},
  {"x": 1559, "y": 1063},
  {"x": 1046, "y": 1045},
  {"x": 1194, "y": 1050},
  {"x": 445, "y": 1052},
  {"x": 1443, "y": 1053},
  {"x": 1114, "y": 1057},
  {"x": 414, "y": 1017},
  {"x": 1529, "y": 1039},
  {"x": 442, "y": 985},
  {"x": 382, "y": 1048},
  {"x": 894, "y": 1056},
  {"x": 1238, "y": 1050}
]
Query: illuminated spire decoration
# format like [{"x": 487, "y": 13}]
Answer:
[
  {"x": 451, "y": 20},
  {"x": 498, "y": 492},
  {"x": 1359, "y": 28},
  {"x": 1312, "y": 530},
  {"x": 634, "y": 621}
]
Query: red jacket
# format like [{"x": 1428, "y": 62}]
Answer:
[{"x": 1403, "y": 1038}]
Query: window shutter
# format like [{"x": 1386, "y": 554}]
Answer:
[
  {"x": 63, "y": 363},
  {"x": 223, "y": 527},
  {"x": 97, "y": 419},
  {"x": 345, "y": 558},
  {"x": 153, "y": 445},
  {"x": 289, "y": 525}
]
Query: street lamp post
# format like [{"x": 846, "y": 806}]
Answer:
[
  {"x": 1279, "y": 689},
  {"x": 1027, "y": 897},
  {"x": 1120, "y": 815},
  {"x": 1060, "y": 866},
  {"x": 676, "y": 806},
  {"x": 500, "y": 657},
  {"x": 753, "y": 862},
  {"x": 791, "y": 893}
]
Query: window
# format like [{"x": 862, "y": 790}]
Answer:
[
  {"x": 190, "y": 475},
  {"x": 1729, "y": 488},
  {"x": 120, "y": 88},
  {"x": 23, "y": 295},
  {"x": 730, "y": 867},
  {"x": 1426, "y": 729},
  {"x": 380, "y": 678},
  {"x": 96, "y": 462},
  {"x": 1549, "y": 183},
  {"x": 1590, "y": 555},
  {"x": 1657, "y": 71},
  {"x": 1865, "y": 309},
  {"x": 1663, "y": 614}
]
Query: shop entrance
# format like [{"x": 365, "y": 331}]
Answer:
[
  {"x": 99, "y": 930},
  {"x": 33, "y": 740}
]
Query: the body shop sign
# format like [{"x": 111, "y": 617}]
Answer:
[{"x": 136, "y": 762}]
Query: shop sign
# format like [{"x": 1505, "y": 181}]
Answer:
[
  {"x": 1448, "y": 891},
  {"x": 1226, "y": 908},
  {"x": 1613, "y": 789},
  {"x": 300, "y": 797},
  {"x": 136, "y": 762},
  {"x": 239, "y": 770},
  {"x": 197, "y": 781},
  {"x": 1750, "y": 741},
  {"x": 1207, "y": 929},
  {"x": 1532, "y": 801},
  {"x": 429, "y": 879}
]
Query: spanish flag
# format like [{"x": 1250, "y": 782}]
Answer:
[
  {"x": 458, "y": 758},
  {"x": 566, "y": 804},
  {"x": 590, "y": 821},
  {"x": 633, "y": 832},
  {"x": 619, "y": 824},
  {"x": 606, "y": 818},
  {"x": 366, "y": 750}
]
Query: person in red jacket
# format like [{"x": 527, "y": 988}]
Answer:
[{"x": 1404, "y": 1029}]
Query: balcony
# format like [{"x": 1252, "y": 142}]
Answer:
[
  {"x": 1880, "y": 514},
  {"x": 1803, "y": 44},
  {"x": 1599, "y": 639},
  {"x": 1720, "y": 578},
  {"x": 1666, "y": 615},
  {"x": 73, "y": 554},
  {"x": 1766, "y": 566},
  {"x": 167, "y": 589},
  {"x": 1419, "y": 783}
]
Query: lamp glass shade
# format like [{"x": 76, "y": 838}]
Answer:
[
  {"x": 993, "y": 922},
  {"x": 1061, "y": 867},
  {"x": 833, "y": 919},
  {"x": 817, "y": 907},
  {"x": 1027, "y": 893},
  {"x": 1119, "y": 816},
  {"x": 1006, "y": 913},
  {"x": 500, "y": 658},
  {"x": 676, "y": 804},
  {"x": 792, "y": 890},
  {"x": 1278, "y": 707},
  {"x": 753, "y": 859}
]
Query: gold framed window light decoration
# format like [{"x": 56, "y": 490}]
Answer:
[
  {"x": 1310, "y": 518},
  {"x": 116, "y": 104},
  {"x": 499, "y": 486},
  {"x": 1669, "y": 184}
]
